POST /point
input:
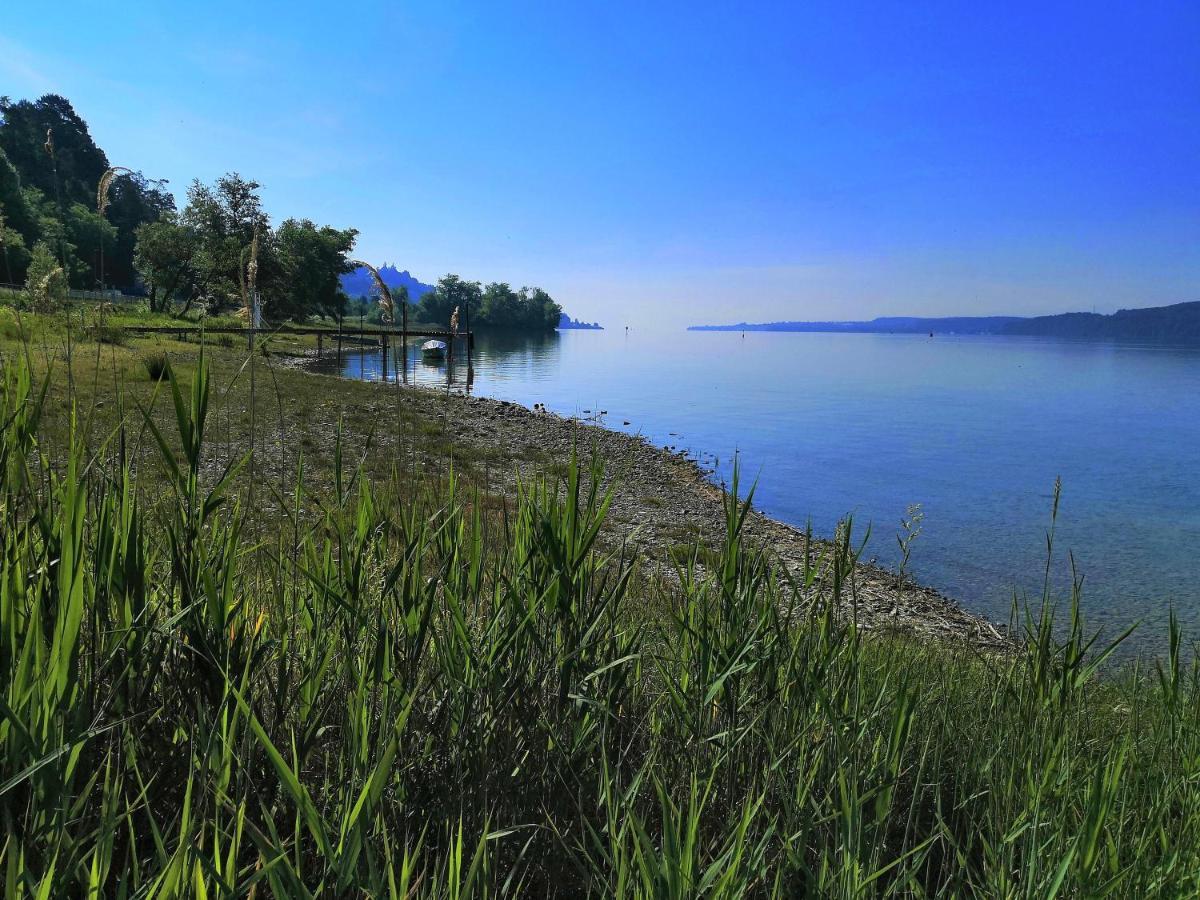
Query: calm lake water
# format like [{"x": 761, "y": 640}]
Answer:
[{"x": 974, "y": 429}]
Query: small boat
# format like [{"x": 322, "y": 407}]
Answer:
[{"x": 433, "y": 350}]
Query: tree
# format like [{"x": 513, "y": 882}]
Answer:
[
  {"x": 529, "y": 309},
  {"x": 12, "y": 202},
  {"x": 164, "y": 257},
  {"x": 539, "y": 311},
  {"x": 14, "y": 255},
  {"x": 438, "y": 305},
  {"x": 45, "y": 282},
  {"x": 88, "y": 232},
  {"x": 225, "y": 218},
  {"x": 53, "y": 230},
  {"x": 312, "y": 261},
  {"x": 133, "y": 200},
  {"x": 78, "y": 161},
  {"x": 499, "y": 307}
]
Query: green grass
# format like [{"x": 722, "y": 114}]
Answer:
[{"x": 352, "y": 677}]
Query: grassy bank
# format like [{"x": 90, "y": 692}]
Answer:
[{"x": 233, "y": 665}]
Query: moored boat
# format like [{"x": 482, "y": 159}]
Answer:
[{"x": 433, "y": 350}]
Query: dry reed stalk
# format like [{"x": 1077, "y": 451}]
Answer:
[
  {"x": 385, "y": 295},
  {"x": 106, "y": 181},
  {"x": 249, "y": 281}
]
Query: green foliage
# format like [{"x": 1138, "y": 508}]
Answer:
[
  {"x": 224, "y": 219},
  {"x": 13, "y": 203},
  {"x": 45, "y": 282},
  {"x": 107, "y": 333},
  {"x": 133, "y": 200},
  {"x": 451, "y": 292},
  {"x": 91, "y": 235},
  {"x": 164, "y": 257},
  {"x": 312, "y": 259},
  {"x": 529, "y": 309},
  {"x": 51, "y": 196},
  {"x": 496, "y": 306},
  {"x": 381, "y": 691},
  {"x": 73, "y": 172},
  {"x": 14, "y": 255},
  {"x": 157, "y": 365}
]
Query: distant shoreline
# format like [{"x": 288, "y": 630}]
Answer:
[{"x": 1178, "y": 323}]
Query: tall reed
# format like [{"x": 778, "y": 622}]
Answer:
[{"x": 406, "y": 697}]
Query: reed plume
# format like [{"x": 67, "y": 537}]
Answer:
[
  {"x": 387, "y": 307},
  {"x": 248, "y": 280},
  {"x": 106, "y": 181}
]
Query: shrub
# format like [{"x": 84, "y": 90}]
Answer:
[
  {"x": 45, "y": 282},
  {"x": 11, "y": 326},
  {"x": 157, "y": 365},
  {"x": 108, "y": 334}
]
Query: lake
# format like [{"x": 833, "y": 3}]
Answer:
[{"x": 974, "y": 429}]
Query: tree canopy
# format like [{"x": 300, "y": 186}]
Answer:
[
  {"x": 50, "y": 169},
  {"x": 496, "y": 306},
  {"x": 50, "y": 175}
]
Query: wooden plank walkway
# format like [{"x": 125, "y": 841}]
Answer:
[{"x": 300, "y": 329}]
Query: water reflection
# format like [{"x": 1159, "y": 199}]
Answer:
[{"x": 497, "y": 357}]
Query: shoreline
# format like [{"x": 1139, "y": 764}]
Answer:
[{"x": 663, "y": 499}]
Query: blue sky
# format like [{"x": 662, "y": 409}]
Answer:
[{"x": 679, "y": 162}]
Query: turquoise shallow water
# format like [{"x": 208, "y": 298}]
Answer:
[{"x": 974, "y": 429}]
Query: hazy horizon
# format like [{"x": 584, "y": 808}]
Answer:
[{"x": 681, "y": 165}]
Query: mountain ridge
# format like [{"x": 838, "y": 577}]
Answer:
[
  {"x": 1176, "y": 322},
  {"x": 359, "y": 282}
]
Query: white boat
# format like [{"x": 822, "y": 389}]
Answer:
[{"x": 433, "y": 350}]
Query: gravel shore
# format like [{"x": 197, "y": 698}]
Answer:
[{"x": 664, "y": 499}]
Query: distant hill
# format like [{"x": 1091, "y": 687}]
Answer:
[
  {"x": 360, "y": 284},
  {"x": 884, "y": 325},
  {"x": 565, "y": 322},
  {"x": 1178, "y": 324}
]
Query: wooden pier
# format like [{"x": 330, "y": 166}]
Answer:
[
  {"x": 382, "y": 337},
  {"x": 380, "y": 334}
]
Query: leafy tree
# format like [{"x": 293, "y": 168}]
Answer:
[
  {"x": 164, "y": 257},
  {"x": 539, "y": 311},
  {"x": 225, "y": 217},
  {"x": 12, "y": 202},
  {"x": 311, "y": 260},
  {"x": 438, "y": 305},
  {"x": 133, "y": 200},
  {"x": 14, "y": 255},
  {"x": 530, "y": 309},
  {"x": 78, "y": 161},
  {"x": 54, "y": 231},
  {"x": 45, "y": 282},
  {"x": 89, "y": 232},
  {"x": 500, "y": 306}
]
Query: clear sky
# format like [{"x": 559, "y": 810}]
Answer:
[{"x": 678, "y": 162}]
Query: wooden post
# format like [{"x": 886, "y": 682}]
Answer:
[
  {"x": 339, "y": 345},
  {"x": 383, "y": 343},
  {"x": 320, "y": 343}
]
